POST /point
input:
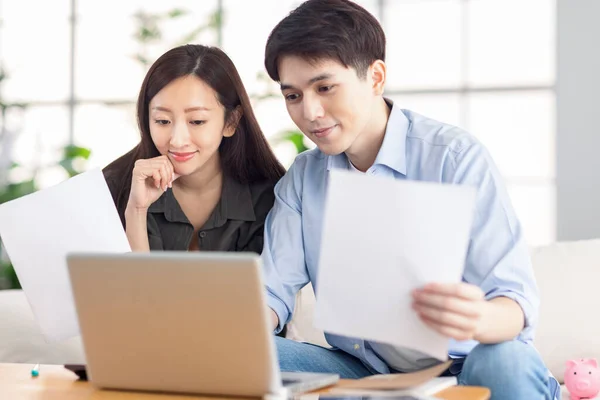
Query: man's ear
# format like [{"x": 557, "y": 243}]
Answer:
[
  {"x": 233, "y": 121},
  {"x": 377, "y": 74}
]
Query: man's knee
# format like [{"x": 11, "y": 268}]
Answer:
[
  {"x": 508, "y": 367},
  {"x": 287, "y": 348},
  {"x": 512, "y": 358}
]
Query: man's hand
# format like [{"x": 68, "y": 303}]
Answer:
[{"x": 453, "y": 310}]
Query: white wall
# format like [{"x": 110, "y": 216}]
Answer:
[{"x": 578, "y": 113}]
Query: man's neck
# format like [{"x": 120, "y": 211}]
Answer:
[
  {"x": 206, "y": 179},
  {"x": 363, "y": 152}
]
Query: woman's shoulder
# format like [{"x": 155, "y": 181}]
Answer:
[
  {"x": 262, "y": 194},
  {"x": 261, "y": 188}
]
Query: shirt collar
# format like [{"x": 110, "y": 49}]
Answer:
[
  {"x": 393, "y": 149},
  {"x": 235, "y": 204}
]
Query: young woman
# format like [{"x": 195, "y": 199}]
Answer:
[{"x": 202, "y": 176}]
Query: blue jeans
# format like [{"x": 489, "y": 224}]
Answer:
[{"x": 511, "y": 370}]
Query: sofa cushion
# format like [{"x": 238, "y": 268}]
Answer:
[
  {"x": 301, "y": 326},
  {"x": 568, "y": 275},
  {"x": 21, "y": 340}
]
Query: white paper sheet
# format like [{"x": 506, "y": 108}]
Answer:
[
  {"x": 382, "y": 238},
  {"x": 40, "y": 229}
]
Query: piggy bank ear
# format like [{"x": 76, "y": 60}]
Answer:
[
  {"x": 592, "y": 362},
  {"x": 571, "y": 363}
]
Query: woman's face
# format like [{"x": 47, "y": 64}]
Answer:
[{"x": 187, "y": 123}]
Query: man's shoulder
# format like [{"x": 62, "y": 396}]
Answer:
[
  {"x": 432, "y": 133},
  {"x": 309, "y": 161},
  {"x": 308, "y": 168},
  {"x": 312, "y": 155}
]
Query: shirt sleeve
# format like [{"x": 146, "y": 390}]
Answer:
[
  {"x": 498, "y": 260},
  {"x": 283, "y": 260}
]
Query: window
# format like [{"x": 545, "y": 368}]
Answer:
[{"x": 485, "y": 65}]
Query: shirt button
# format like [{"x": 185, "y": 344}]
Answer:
[
  {"x": 356, "y": 346},
  {"x": 202, "y": 234}
]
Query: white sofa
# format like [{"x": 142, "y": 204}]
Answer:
[
  {"x": 568, "y": 274},
  {"x": 21, "y": 340}
]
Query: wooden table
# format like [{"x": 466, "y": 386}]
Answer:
[{"x": 56, "y": 383}]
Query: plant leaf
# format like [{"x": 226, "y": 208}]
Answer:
[
  {"x": 177, "y": 12},
  {"x": 296, "y": 138},
  {"x": 16, "y": 190},
  {"x": 215, "y": 20},
  {"x": 67, "y": 164},
  {"x": 72, "y": 151}
]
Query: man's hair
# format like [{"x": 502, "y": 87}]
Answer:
[{"x": 327, "y": 29}]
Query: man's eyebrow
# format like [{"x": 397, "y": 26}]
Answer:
[{"x": 317, "y": 78}]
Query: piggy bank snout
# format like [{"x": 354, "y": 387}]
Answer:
[{"x": 583, "y": 384}]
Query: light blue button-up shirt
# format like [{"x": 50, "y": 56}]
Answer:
[{"x": 414, "y": 148}]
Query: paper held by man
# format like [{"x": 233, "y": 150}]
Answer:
[{"x": 383, "y": 238}]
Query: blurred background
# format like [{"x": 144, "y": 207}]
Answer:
[{"x": 71, "y": 70}]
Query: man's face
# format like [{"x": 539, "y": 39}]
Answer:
[{"x": 328, "y": 102}]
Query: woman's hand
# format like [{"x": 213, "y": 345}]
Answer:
[{"x": 149, "y": 181}]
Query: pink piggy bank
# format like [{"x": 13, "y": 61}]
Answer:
[{"x": 582, "y": 378}]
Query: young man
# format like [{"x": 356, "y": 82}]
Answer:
[{"x": 328, "y": 56}]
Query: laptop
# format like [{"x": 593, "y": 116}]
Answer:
[{"x": 182, "y": 322}]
